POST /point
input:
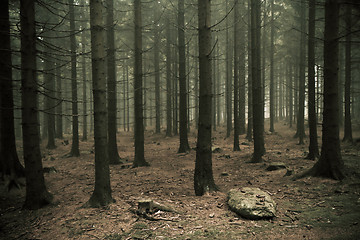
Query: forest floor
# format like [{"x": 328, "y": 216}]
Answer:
[{"x": 309, "y": 208}]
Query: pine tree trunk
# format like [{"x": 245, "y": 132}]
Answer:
[
  {"x": 236, "y": 146},
  {"x": 59, "y": 107},
  {"x": 36, "y": 193},
  {"x": 330, "y": 164},
  {"x": 313, "y": 146},
  {"x": 258, "y": 123},
  {"x": 157, "y": 73},
  {"x": 242, "y": 101},
  {"x": 272, "y": 112},
  {"x": 111, "y": 84},
  {"x": 102, "y": 191},
  {"x": 300, "y": 117},
  {"x": 168, "y": 82},
  {"x": 249, "y": 132},
  {"x": 203, "y": 177},
  {"x": 9, "y": 160},
  {"x": 184, "y": 145},
  {"x": 75, "y": 152},
  {"x": 84, "y": 137},
  {"x": 50, "y": 90},
  {"x": 228, "y": 79},
  {"x": 138, "y": 96},
  {"x": 347, "y": 126}
]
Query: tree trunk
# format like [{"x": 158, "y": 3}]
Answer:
[
  {"x": 236, "y": 146},
  {"x": 291, "y": 99},
  {"x": 36, "y": 193},
  {"x": 138, "y": 96},
  {"x": 102, "y": 191},
  {"x": 75, "y": 152},
  {"x": 313, "y": 146},
  {"x": 272, "y": 33},
  {"x": 249, "y": 132},
  {"x": 347, "y": 126},
  {"x": 168, "y": 81},
  {"x": 242, "y": 101},
  {"x": 300, "y": 117},
  {"x": 111, "y": 84},
  {"x": 50, "y": 88},
  {"x": 330, "y": 164},
  {"x": 203, "y": 177},
  {"x": 59, "y": 107},
  {"x": 228, "y": 79},
  {"x": 184, "y": 144},
  {"x": 9, "y": 160},
  {"x": 258, "y": 123},
  {"x": 157, "y": 72},
  {"x": 84, "y": 138}
]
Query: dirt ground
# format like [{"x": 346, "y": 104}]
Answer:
[{"x": 309, "y": 208}]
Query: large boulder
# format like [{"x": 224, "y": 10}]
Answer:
[{"x": 251, "y": 203}]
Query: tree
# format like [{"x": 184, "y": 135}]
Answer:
[
  {"x": 236, "y": 146},
  {"x": 168, "y": 81},
  {"x": 242, "y": 93},
  {"x": 139, "y": 119},
  {"x": 272, "y": 99},
  {"x": 9, "y": 163},
  {"x": 330, "y": 164},
  {"x": 347, "y": 126},
  {"x": 157, "y": 70},
  {"x": 313, "y": 146},
  {"x": 50, "y": 84},
  {"x": 83, "y": 42},
  {"x": 102, "y": 191},
  {"x": 203, "y": 177},
  {"x": 75, "y": 152},
  {"x": 111, "y": 84},
  {"x": 228, "y": 78},
  {"x": 249, "y": 132},
  {"x": 258, "y": 121},
  {"x": 301, "y": 105},
  {"x": 36, "y": 193},
  {"x": 184, "y": 144}
]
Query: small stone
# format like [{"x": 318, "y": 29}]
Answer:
[
  {"x": 211, "y": 215},
  {"x": 224, "y": 174},
  {"x": 216, "y": 149},
  {"x": 276, "y": 166}
]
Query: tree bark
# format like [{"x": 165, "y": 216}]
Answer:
[
  {"x": 9, "y": 160},
  {"x": 50, "y": 88},
  {"x": 36, "y": 193},
  {"x": 168, "y": 81},
  {"x": 228, "y": 79},
  {"x": 258, "y": 123},
  {"x": 75, "y": 152},
  {"x": 101, "y": 195},
  {"x": 84, "y": 137},
  {"x": 114, "y": 157},
  {"x": 203, "y": 177},
  {"x": 184, "y": 144},
  {"x": 347, "y": 126},
  {"x": 313, "y": 146},
  {"x": 236, "y": 146},
  {"x": 330, "y": 164},
  {"x": 300, "y": 117},
  {"x": 138, "y": 96},
  {"x": 249, "y": 132},
  {"x": 272, "y": 33},
  {"x": 157, "y": 72}
]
